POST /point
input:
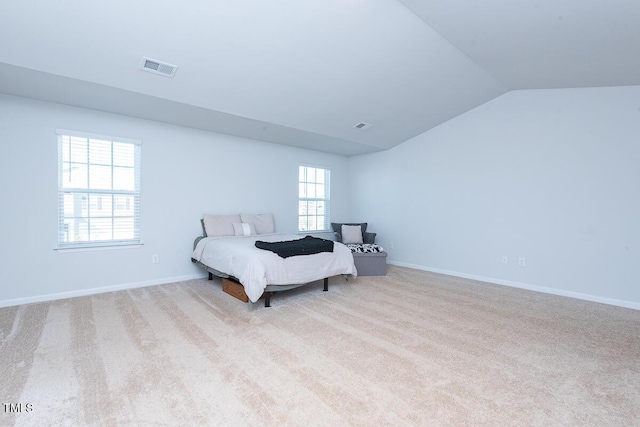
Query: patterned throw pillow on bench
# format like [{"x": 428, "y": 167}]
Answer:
[{"x": 365, "y": 248}]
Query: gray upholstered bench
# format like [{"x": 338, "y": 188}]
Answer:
[{"x": 370, "y": 263}]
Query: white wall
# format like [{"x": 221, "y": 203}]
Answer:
[
  {"x": 549, "y": 175},
  {"x": 185, "y": 173}
]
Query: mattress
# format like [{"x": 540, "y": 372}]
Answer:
[{"x": 255, "y": 268}]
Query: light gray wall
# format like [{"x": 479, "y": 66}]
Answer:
[
  {"x": 185, "y": 173},
  {"x": 549, "y": 175}
]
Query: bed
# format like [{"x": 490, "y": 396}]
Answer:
[{"x": 228, "y": 249}]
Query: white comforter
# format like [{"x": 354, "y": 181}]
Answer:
[{"x": 257, "y": 268}]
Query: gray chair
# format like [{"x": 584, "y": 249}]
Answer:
[
  {"x": 367, "y": 237},
  {"x": 367, "y": 263}
]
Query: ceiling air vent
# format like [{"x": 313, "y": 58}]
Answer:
[
  {"x": 158, "y": 67},
  {"x": 362, "y": 126}
]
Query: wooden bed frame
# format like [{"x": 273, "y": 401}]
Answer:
[{"x": 269, "y": 290}]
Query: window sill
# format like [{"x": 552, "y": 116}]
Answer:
[{"x": 99, "y": 247}]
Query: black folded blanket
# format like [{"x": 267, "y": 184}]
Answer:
[{"x": 308, "y": 245}]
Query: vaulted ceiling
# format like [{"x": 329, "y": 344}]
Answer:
[{"x": 305, "y": 72}]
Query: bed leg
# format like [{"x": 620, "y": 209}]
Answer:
[
  {"x": 326, "y": 284},
  {"x": 210, "y": 276},
  {"x": 267, "y": 299}
]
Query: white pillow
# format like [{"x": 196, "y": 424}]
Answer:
[
  {"x": 263, "y": 223},
  {"x": 351, "y": 234},
  {"x": 244, "y": 229},
  {"x": 220, "y": 225}
]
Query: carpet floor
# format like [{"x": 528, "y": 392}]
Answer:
[{"x": 409, "y": 349}]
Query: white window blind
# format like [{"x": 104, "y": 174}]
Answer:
[
  {"x": 98, "y": 190},
  {"x": 313, "y": 199}
]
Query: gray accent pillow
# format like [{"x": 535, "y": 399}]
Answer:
[
  {"x": 337, "y": 228},
  {"x": 351, "y": 234}
]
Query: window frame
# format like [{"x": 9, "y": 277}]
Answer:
[
  {"x": 91, "y": 197},
  {"x": 306, "y": 198}
]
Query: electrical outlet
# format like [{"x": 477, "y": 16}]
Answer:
[
  {"x": 522, "y": 262},
  {"x": 155, "y": 259},
  {"x": 505, "y": 259},
  {"x": 392, "y": 246}
]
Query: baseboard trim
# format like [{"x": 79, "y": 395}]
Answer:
[
  {"x": 553, "y": 291},
  {"x": 95, "y": 291},
  {"x": 105, "y": 289}
]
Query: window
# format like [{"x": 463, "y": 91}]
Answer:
[
  {"x": 313, "y": 199},
  {"x": 98, "y": 190}
]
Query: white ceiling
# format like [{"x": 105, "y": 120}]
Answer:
[
  {"x": 543, "y": 44},
  {"x": 303, "y": 73}
]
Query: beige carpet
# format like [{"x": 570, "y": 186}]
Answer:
[{"x": 412, "y": 348}]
